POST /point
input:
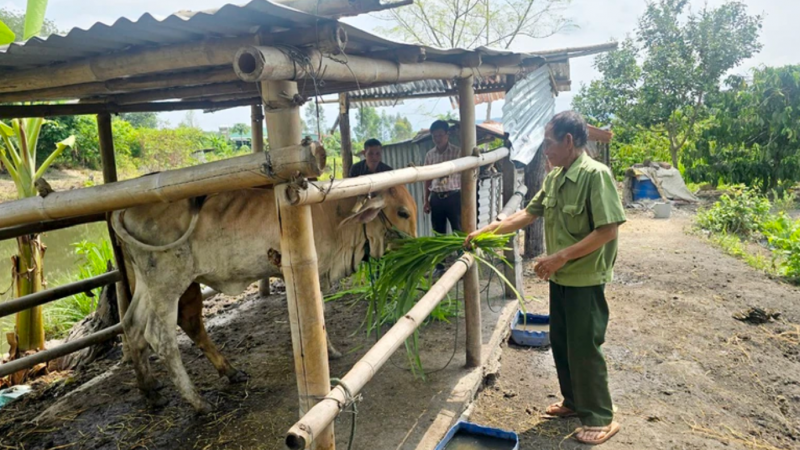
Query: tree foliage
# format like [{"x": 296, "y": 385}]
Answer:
[
  {"x": 473, "y": 23},
  {"x": 141, "y": 120},
  {"x": 754, "y": 137},
  {"x": 660, "y": 80}
]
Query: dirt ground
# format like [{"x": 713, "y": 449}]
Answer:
[
  {"x": 59, "y": 180},
  {"x": 683, "y": 373}
]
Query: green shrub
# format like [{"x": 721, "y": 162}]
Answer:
[
  {"x": 741, "y": 212},
  {"x": 62, "y": 315}
]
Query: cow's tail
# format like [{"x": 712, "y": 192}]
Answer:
[{"x": 122, "y": 233}]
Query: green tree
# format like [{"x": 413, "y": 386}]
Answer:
[
  {"x": 683, "y": 58},
  {"x": 314, "y": 119},
  {"x": 754, "y": 137},
  {"x": 18, "y": 155},
  {"x": 368, "y": 125},
  {"x": 401, "y": 129},
  {"x": 141, "y": 120},
  {"x": 241, "y": 129},
  {"x": 18, "y": 26}
]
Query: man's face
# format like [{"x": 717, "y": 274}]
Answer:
[
  {"x": 373, "y": 155},
  {"x": 440, "y": 138},
  {"x": 557, "y": 152}
]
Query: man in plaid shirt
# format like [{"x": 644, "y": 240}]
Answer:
[{"x": 443, "y": 195}]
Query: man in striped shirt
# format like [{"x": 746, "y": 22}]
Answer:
[{"x": 443, "y": 195}]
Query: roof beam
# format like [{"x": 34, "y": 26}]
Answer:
[
  {"x": 193, "y": 92},
  {"x": 76, "y": 109}
]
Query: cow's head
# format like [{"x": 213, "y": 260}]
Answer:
[{"x": 386, "y": 215}]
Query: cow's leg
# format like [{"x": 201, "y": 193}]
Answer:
[
  {"x": 160, "y": 333},
  {"x": 134, "y": 324},
  {"x": 190, "y": 318}
]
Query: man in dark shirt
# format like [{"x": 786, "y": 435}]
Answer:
[{"x": 372, "y": 160}]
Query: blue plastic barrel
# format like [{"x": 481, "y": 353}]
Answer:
[{"x": 644, "y": 189}]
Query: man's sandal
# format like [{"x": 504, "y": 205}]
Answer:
[
  {"x": 606, "y": 433},
  {"x": 559, "y": 410}
]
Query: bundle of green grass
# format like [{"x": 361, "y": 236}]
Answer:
[{"x": 394, "y": 284}]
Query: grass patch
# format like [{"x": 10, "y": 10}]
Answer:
[{"x": 733, "y": 245}]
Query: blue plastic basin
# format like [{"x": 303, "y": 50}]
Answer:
[
  {"x": 500, "y": 439},
  {"x": 521, "y": 336}
]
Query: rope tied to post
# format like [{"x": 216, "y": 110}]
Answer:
[{"x": 350, "y": 402}]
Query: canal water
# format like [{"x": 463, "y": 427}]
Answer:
[{"x": 60, "y": 263}]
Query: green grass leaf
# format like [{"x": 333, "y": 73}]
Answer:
[
  {"x": 6, "y": 35},
  {"x": 34, "y": 17}
]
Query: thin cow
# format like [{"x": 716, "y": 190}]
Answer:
[{"x": 227, "y": 241}]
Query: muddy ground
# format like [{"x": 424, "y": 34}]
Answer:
[
  {"x": 253, "y": 332},
  {"x": 683, "y": 373}
]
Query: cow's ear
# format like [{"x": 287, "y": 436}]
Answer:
[{"x": 366, "y": 212}]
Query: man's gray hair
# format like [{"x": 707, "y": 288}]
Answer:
[{"x": 572, "y": 123}]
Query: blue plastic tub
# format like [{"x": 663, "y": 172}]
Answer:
[
  {"x": 644, "y": 189},
  {"x": 502, "y": 439},
  {"x": 530, "y": 338}
]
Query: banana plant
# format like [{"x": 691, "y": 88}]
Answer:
[
  {"x": 18, "y": 155},
  {"x": 34, "y": 19}
]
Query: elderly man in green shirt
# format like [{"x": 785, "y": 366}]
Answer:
[{"x": 582, "y": 211}]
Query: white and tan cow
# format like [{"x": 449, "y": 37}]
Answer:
[{"x": 227, "y": 241}]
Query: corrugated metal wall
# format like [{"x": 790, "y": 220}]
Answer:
[{"x": 406, "y": 154}]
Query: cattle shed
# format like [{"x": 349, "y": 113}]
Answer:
[{"x": 272, "y": 56}]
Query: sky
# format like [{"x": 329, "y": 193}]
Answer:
[{"x": 595, "y": 21}]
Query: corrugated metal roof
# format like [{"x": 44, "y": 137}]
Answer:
[
  {"x": 528, "y": 107},
  {"x": 147, "y": 31}
]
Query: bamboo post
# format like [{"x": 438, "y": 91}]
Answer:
[
  {"x": 323, "y": 413},
  {"x": 300, "y": 267},
  {"x": 339, "y": 189},
  {"x": 105, "y": 134},
  {"x": 344, "y": 131},
  {"x": 469, "y": 218},
  {"x": 257, "y": 127},
  {"x": 257, "y": 169},
  {"x": 513, "y": 273}
]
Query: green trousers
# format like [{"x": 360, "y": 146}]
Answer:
[{"x": 578, "y": 321}]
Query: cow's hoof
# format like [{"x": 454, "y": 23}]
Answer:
[
  {"x": 238, "y": 376},
  {"x": 203, "y": 407},
  {"x": 155, "y": 400},
  {"x": 334, "y": 354}
]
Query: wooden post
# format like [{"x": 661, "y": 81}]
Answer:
[
  {"x": 110, "y": 176},
  {"x": 344, "y": 131},
  {"x": 299, "y": 266},
  {"x": 469, "y": 218},
  {"x": 534, "y": 177},
  {"x": 257, "y": 127},
  {"x": 513, "y": 273}
]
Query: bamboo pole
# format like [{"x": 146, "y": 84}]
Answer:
[
  {"x": 300, "y": 270},
  {"x": 50, "y": 225},
  {"x": 109, "y": 162},
  {"x": 344, "y": 131},
  {"x": 512, "y": 198},
  {"x": 121, "y": 85},
  {"x": 260, "y": 63},
  {"x": 338, "y": 189},
  {"x": 257, "y": 128},
  {"x": 42, "y": 297},
  {"x": 469, "y": 218},
  {"x": 241, "y": 172},
  {"x": 57, "y": 352},
  {"x": 325, "y": 411},
  {"x": 189, "y": 55},
  {"x": 239, "y": 88},
  {"x": 19, "y": 111},
  {"x": 282, "y": 129}
]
